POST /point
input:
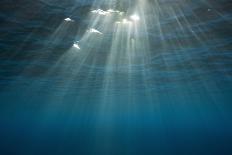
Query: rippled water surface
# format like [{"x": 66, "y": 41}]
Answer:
[{"x": 115, "y": 77}]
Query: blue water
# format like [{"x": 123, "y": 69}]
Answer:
[{"x": 171, "y": 96}]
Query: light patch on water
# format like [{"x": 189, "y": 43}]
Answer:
[
  {"x": 112, "y": 11},
  {"x": 76, "y": 46},
  {"x": 107, "y": 12},
  {"x": 126, "y": 21},
  {"x": 92, "y": 30},
  {"x": 135, "y": 17},
  {"x": 69, "y": 20},
  {"x": 100, "y": 12},
  {"x": 132, "y": 20},
  {"x": 117, "y": 22}
]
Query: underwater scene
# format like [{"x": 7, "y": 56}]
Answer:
[{"x": 115, "y": 77}]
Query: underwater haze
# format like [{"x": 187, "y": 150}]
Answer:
[{"x": 115, "y": 77}]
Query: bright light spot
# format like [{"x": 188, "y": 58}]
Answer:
[
  {"x": 113, "y": 11},
  {"x": 108, "y": 12},
  {"x": 100, "y": 12},
  {"x": 132, "y": 20},
  {"x": 134, "y": 17},
  {"x": 94, "y": 31},
  {"x": 118, "y": 22},
  {"x": 121, "y": 13},
  {"x": 68, "y": 20},
  {"x": 76, "y": 46},
  {"x": 126, "y": 21}
]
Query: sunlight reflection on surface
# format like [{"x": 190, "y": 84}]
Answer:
[
  {"x": 92, "y": 30},
  {"x": 76, "y": 46}
]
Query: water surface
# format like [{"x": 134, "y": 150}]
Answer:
[{"x": 161, "y": 85}]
